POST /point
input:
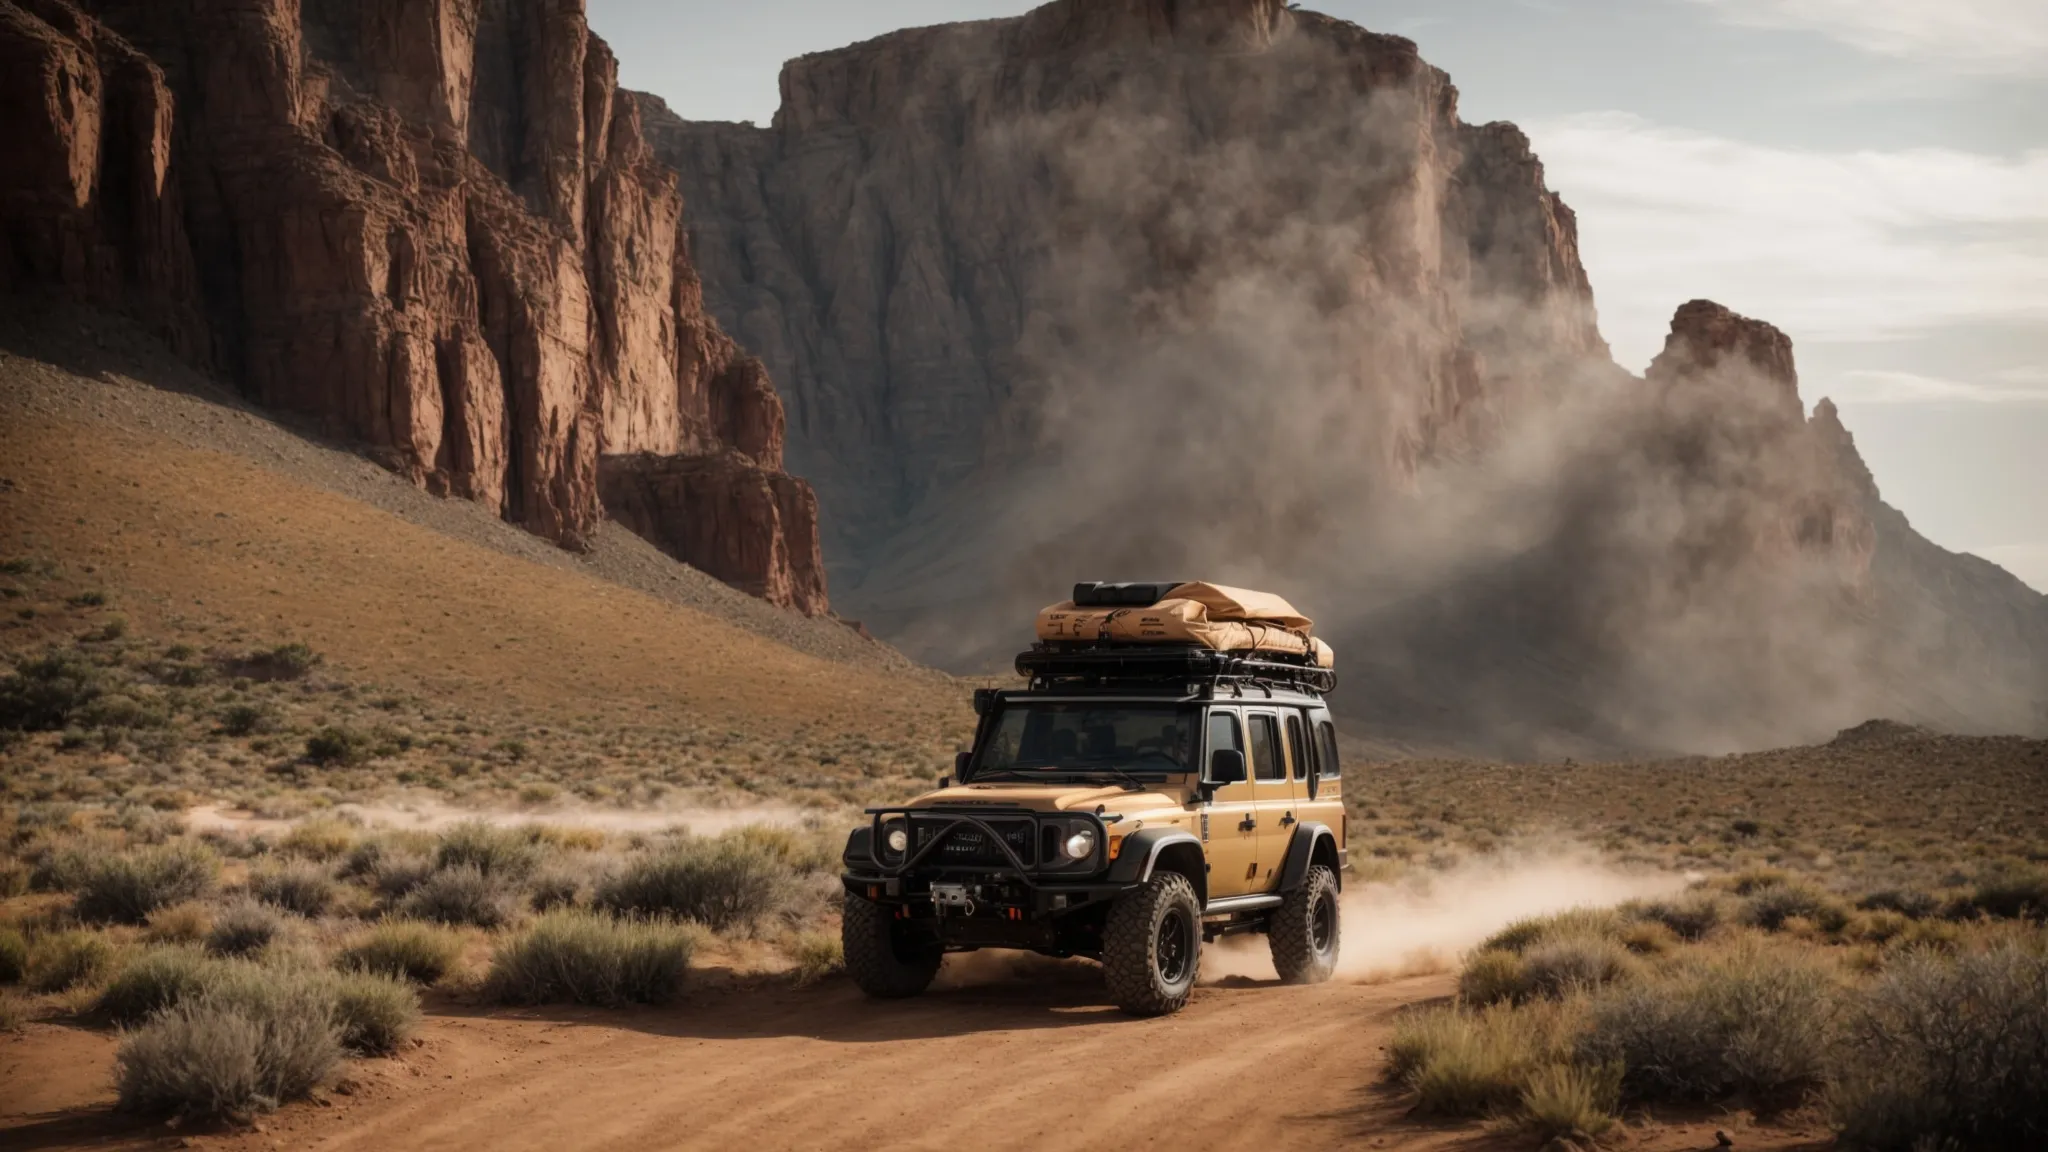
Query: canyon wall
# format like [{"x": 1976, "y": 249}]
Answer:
[
  {"x": 430, "y": 227},
  {"x": 1155, "y": 288}
]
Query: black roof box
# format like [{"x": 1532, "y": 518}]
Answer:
[{"x": 1140, "y": 595}]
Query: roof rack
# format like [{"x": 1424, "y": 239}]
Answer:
[{"x": 1052, "y": 665}]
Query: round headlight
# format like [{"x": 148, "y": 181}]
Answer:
[
  {"x": 898, "y": 840},
  {"x": 1080, "y": 844}
]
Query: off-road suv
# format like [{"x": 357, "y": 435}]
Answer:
[{"x": 1130, "y": 805}]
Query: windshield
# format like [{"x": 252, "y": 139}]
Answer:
[{"x": 1086, "y": 738}]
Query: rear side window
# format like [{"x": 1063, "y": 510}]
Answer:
[
  {"x": 1223, "y": 733},
  {"x": 1266, "y": 762},
  {"x": 1326, "y": 750}
]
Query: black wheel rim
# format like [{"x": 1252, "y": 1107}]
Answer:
[
  {"x": 1174, "y": 948},
  {"x": 1322, "y": 926}
]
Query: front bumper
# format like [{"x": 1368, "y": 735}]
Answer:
[{"x": 999, "y": 857}]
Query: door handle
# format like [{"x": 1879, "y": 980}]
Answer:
[
  {"x": 1287, "y": 819},
  {"x": 1247, "y": 824}
]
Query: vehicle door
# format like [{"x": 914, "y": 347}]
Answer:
[
  {"x": 1317, "y": 793},
  {"x": 1272, "y": 793},
  {"x": 1229, "y": 820}
]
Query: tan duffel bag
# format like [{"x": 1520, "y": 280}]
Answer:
[{"x": 1210, "y": 615}]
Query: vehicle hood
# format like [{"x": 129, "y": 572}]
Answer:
[{"x": 1047, "y": 797}]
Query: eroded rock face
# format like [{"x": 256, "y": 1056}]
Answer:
[{"x": 432, "y": 225}]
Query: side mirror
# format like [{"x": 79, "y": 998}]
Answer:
[
  {"x": 984, "y": 700},
  {"x": 960, "y": 760},
  {"x": 1226, "y": 766}
]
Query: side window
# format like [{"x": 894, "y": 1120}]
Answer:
[
  {"x": 1295, "y": 751},
  {"x": 1223, "y": 734},
  {"x": 1326, "y": 748},
  {"x": 1266, "y": 762}
]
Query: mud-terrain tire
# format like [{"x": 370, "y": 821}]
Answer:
[
  {"x": 883, "y": 963},
  {"x": 1152, "y": 946},
  {"x": 1306, "y": 929}
]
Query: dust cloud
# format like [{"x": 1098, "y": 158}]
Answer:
[
  {"x": 433, "y": 816},
  {"x": 1424, "y": 923}
]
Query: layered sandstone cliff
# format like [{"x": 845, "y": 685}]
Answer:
[
  {"x": 1215, "y": 286},
  {"x": 433, "y": 227}
]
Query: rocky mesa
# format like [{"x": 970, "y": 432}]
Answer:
[
  {"x": 1130, "y": 287},
  {"x": 431, "y": 228}
]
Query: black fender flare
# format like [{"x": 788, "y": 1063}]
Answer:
[
  {"x": 1301, "y": 854},
  {"x": 860, "y": 849},
  {"x": 1141, "y": 852}
]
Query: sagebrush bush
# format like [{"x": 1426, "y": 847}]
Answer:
[
  {"x": 336, "y": 746},
  {"x": 299, "y": 886},
  {"x": 555, "y": 888},
  {"x": 505, "y": 853},
  {"x": 319, "y": 839},
  {"x": 1751, "y": 1024},
  {"x": 408, "y": 949},
  {"x": 1910, "y": 903},
  {"x": 243, "y": 928},
  {"x": 44, "y": 694},
  {"x": 128, "y": 886},
  {"x": 158, "y": 979},
  {"x": 462, "y": 895},
  {"x": 1462, "y": 1062},
  {"x": 591, "y": 958},
  {"x": 13, "y": 956},
  {"x": 1570, "y": 1105},
  {"x": 1769, "y": 906},
  {"x": 722, "y": 884},
  {"x": 1518, "y": 936},
  {"x": 804, "y": 850},
  {"x": 2013, "y": 893},
  {"x": 234, "y": 1049},
  {"x": 186, "y": 923},
  {"x": 1561, "y": 965},
  {"x": 1492, "y": 976},
  {"x": 396, "y": 875},
  {"x": 64, "y": 960},
  {"x": 376, "y": 1013},
  {"x": 1945, "y": 1052}
]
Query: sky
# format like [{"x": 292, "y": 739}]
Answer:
[{"x": 1869, "y": 175}]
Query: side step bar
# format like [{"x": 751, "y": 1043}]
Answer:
[{"x": 1230, "y": 904}]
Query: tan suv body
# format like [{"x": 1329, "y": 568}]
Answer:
[{"x": 1125, "y": 818}]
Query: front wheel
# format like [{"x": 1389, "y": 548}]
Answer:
[
  {"x": 1305, "y": 930},
  {"x": 1152, "y": 946},
  {"x": 881, "y": 955}
]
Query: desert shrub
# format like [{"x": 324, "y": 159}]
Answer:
[
  {"x": 1648, "y": 938},
  {"x": 1561, "y": 965},
  {"x": 1881, "y": 927},
  {"x": 723, "y": 884},
  {"x": 502, "y": 852},
  {"x": 1769, "y": 906},
  {"x": 246, "y": 719},
  {"x": 243, "y": 928},
  {"x": 1752, "y": 1023},
  {"x": 1492, "y": 976},
  {"x": 817, "y": 955},
  {"x": 461, "y": 895},
  {"x": 14, "y": 1012},
  {"x": 555, "y": 888},
  {"x": 1518, "y": 936},
  {"x": 1690, "y": 917},
  {"x": 64, "y": 960},
  {"x": 160, "y": 978},
  {"x": 1464, "y": 1062},
  {"x": 241, "y": 1046},
  {"x": 13, "y": 956},
  {"x": 1907, "y": 902},
  {"x": 300, "y": 886},
  {"x": 284, "y": 662},
  {"x": 43, "y": 694},
  {"x": 803, "y": 850},
  {"x": 591, "y": 958},
  {"x": 2013, "y": 893},
  {"x": 319, "y": 839},
  {"x": 186, "y": 923},
  {"x": 1948, "y": 1053},
  {"x": 61, "y": 864},
  {"x": 376, "y": 1012},
  {"x": 128, "y": 886},
  {"x": 408, "y": 949},
  {"x": 1570, "y": 1105},
  {"x": 337, "y": 746},
  {"x": 1747, "y": 881}
]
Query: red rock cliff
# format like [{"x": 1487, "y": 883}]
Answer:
[{"x": 431, "y": 225}]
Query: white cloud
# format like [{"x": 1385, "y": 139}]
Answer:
[
  {"x": 2006, "y": 37},
  {"x": 1832, "y": 246},
  {"x": 2029, "y": 562},
  {"x": 1876, "y": 386}
]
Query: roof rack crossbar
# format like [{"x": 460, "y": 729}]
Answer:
[{"x": 1047, "y": 666}]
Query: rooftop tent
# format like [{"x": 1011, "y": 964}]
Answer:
[{"x": 1195, "y": 613}]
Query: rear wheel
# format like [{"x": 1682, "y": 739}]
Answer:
[
  {"x": 883, "y": 958},
  {"x": 1152, "y": 946},
  {"x": 1306, "y": 928}
]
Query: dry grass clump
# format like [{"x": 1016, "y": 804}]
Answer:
[
  {"x": 320, "y": 839},
  {"x": 160, "y": 978},
  {"x": 298, "y": 886},
  {"x": 1690, "y": 917},
  {"x": 503, "y": 853},
  {"x": 376, "y": 1012},
  {"x": 186, "y": 923},
  {"x": 128, "y": 886},
  {"x": 236, "y": 1048},
  {"x": 1518, "y": 936},
  {"x": 463, "y": 894},
  {"x": 1469, "y": 1062},
  {"x": 727, "y": 883},
  {"x": 13, "y": 956},
  {"x": 64, "y": 960},
  {"x": 244, "y": 928},
  {"x": 14, "y": 1012},
  {"x": 590, "y": 958},
  {"x": 1751, "y": 1023},
  {"x": 1570, "y": 1105},
  {"x": 1949, "y": 1053},
  {"x": 1770, "y": 906},
  {"x": 817, "y": 955},
  {"x": 407, "y": 949}
]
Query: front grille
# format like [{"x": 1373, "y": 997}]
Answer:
[{"x": 968, "y": 844}]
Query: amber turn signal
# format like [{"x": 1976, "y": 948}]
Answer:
[{"x": 1116, "y": 845}]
